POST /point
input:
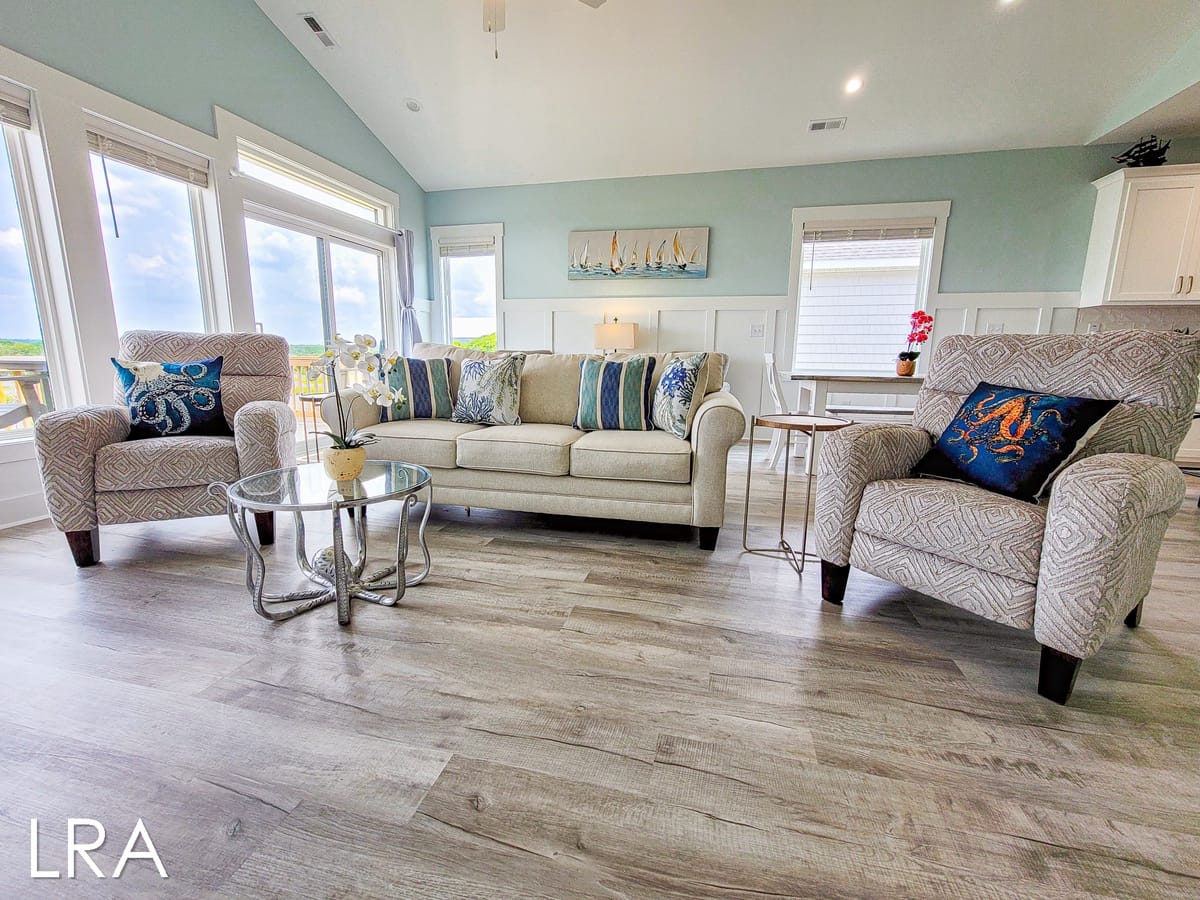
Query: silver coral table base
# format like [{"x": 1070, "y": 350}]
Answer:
[{"x": 339, "y": 578}]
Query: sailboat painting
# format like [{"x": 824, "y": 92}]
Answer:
[{"x": 638, "y": 253}]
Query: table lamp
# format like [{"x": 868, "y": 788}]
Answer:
[{"x": 615, "y": 335}]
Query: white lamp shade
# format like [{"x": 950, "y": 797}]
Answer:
[{"x": 615, "y": 336}]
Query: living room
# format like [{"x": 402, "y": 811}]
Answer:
[{"x": 766, "y": 437}]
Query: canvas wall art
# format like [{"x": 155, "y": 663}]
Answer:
[{"x": 638, "y": 253}]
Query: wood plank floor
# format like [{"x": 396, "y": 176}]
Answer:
[{"x": 577, "y": 708}]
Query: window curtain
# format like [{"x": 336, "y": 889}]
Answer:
[{"x": 410, "y": 329}]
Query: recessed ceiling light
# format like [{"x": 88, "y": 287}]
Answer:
[
  {"x": 854, "y": 85},
  {"x": 413, "y": 104}
]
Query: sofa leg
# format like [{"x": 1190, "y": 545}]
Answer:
[
  {"x": 708, "y": 538},
  {"x": 1056, "y": 677},
  {"x": 264, "y": 523},
  {"x": 1134, "y": 619},
  {"x": 85, "y": 546},
  {"x": 833, "y": 582}
]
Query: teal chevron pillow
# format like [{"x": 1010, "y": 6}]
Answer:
[
  {"x": 424, "y": 386},
  {"x": 614, "y": 396}
]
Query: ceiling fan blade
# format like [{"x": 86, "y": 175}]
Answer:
[{"x": 594, "y": 4}]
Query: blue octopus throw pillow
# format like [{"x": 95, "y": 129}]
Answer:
[
  {"x": 1013, "y": 441},
  {"x": 166, "y": 399},
  {"x": 678, "y": 395}
]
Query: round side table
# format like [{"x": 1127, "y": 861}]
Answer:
[{"x": 809, "y": 425}]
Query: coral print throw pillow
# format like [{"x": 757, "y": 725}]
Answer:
[
  {"x": 167, "y": 399},
  {"x": 1013, "y": 441},
  {"x": 489, "y": 391}
]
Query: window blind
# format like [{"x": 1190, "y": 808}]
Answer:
[
  {"x": 477, "y": 247},
  {"x": 172, "y": 162},
  {"x": 867, "y": 230},
  {"x": 15, "y": 105}
]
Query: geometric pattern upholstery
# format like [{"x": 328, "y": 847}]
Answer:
[
  {"x": 166, "y": 462},
  {"x": 92, "y": 474},
  {"x": 1101, "y": 530},
  {"x": 957, "y": 521}
]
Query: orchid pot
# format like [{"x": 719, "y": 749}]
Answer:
[{"x": 344, "y": 463}]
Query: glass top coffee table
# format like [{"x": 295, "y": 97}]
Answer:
[{"x": 338, "y": 577}]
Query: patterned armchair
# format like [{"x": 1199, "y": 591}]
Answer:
[
  {"x": 94, "y": 475},
  {"x": 1069, "y": 567}
]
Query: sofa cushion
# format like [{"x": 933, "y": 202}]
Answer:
[
  {"x": 166, "y": 462},
  {"x": 959, "y": 522},
  {"x": 539, "y": 449},
  {"x": 632, "y": 456},
  {"x": 550, "y": 388},
  {"x": 425, "y": 442}
]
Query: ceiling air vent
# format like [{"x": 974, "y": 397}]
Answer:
[
  {"x": 827, "y": 124},
  {"x": 322, "y": 35}
]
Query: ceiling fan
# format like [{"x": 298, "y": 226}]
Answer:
[{"x": 493, "y": 17}]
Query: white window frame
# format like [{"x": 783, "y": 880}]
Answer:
[
  {"x": 247, "y": 196},
  {"x": 336, "y": 236},
  {"x": 18, "y": 143},
  {"x": 447, "y": 235},
  {"x": 939, "y": 210},
  {"x": 202, "y": 207}
]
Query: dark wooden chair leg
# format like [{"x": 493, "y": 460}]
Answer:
[
  {"x": 264, "y": 523},
  {"x": 833, "y": 582},
  {"x": 1134, "y": 619},
  {"x": 1056, "y": 677},
  {"x": 708, "y": 538},
  {"x": 85, "y": 546}
]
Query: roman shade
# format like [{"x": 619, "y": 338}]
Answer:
[
  {"x": 127, "y": 146},
  {"x": 15, "y": 105}
]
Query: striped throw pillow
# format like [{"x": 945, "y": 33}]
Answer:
[
  {"x": 425, "y": 384},
  {"x": 614, "y": 396}
]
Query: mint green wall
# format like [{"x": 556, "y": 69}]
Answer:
[
  {"x": 1019, "y": 220},
  {"x": 182, "y": 57}
]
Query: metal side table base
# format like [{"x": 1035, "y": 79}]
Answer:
[{"x": 810, "y": 425}]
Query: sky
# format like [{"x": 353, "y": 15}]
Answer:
[
  {"x": 153, "y": 269},
  {"x": 472, "y": 286}
]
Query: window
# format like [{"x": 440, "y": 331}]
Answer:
[
  {"x": 857, "y": 281},
  {"x": 290, "y": 177},
  {"x": 309, "y": 287},
  {"x": 468, "y": 280},
  {"x": 24, "y": 371},
  {"x": 150, "y": 213}
]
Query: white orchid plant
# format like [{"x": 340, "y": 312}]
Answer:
[{"x": 361, "y": 355}]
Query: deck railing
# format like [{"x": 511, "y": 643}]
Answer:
[{"x": 24, "y": 391}]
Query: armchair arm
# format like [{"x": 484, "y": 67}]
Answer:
[
  {"x": 67, "y": 442},
  {"x": 265, "y": 434},
  {"x": 1106, "y": 521},
  {"x": 718, "y": 425},
  {"x": 850, "y": 459},
  {"x": 359, "y": 413}
]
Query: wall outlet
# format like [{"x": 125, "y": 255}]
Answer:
[
  {"x": 758, "y": 330},
  {"x": 1093, "y": 328},
  {"x": 995, "y": 328}
]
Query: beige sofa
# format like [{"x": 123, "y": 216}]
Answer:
[{"x": 545, "y": 466}]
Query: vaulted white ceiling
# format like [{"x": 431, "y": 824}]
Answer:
[{"x": 643, "y": 87}]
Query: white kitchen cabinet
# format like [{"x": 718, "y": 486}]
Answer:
[{"x": 1145, "y": 243}]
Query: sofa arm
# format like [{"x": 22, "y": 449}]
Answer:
[
  {"x": 850, "y": 459},
  {"x": 1104, "y": 526},
  {"x": 67, "y": 442},
  {"x": 718, "y": 425},
  {"x": 360, "y": 414},
  {"x": 265, "y": 434}
]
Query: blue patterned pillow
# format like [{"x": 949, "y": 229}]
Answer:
[
  {"x": 675, "y": 399},
  {"x": 173, "y": 398},
  {"x": 614, "y": 395},
  {"x": 489, "y": 391},
  {"x": 425, "y": 386},
  {"x": 1013, "y": 441}
]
